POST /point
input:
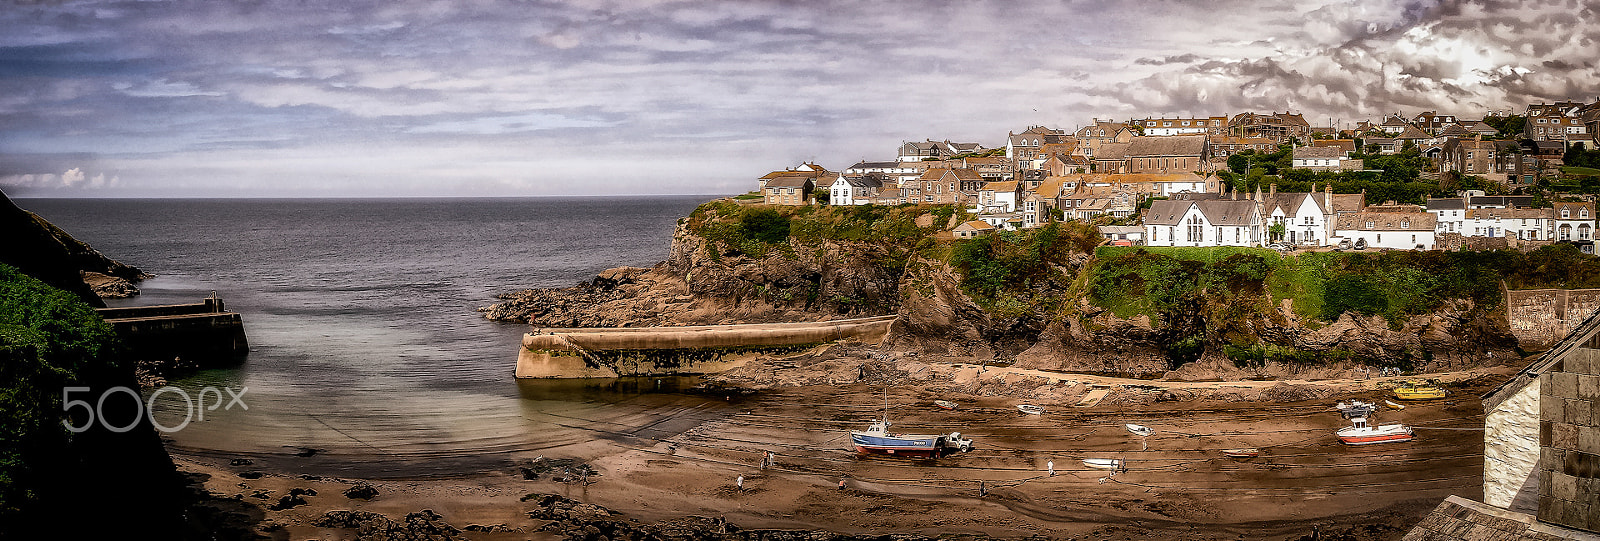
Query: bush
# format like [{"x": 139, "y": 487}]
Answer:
[{"x": 764, "y": 225}]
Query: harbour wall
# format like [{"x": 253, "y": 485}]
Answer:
[
  {"x": 204, "y": 333},
  {"x": 1541, "y": 317},
  {"x": 655, "y": 351}
]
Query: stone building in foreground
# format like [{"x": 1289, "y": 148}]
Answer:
[{"x": 1541, "y": 471}]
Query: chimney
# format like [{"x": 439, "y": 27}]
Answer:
[
  {"x": 1273, "y": 190},
  {"x": 1327, "y": 196}
]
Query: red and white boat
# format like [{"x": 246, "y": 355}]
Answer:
[{"x": 1360, "y": 433}]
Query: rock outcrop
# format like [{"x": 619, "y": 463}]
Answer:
[{"x": 40, "y": 249}]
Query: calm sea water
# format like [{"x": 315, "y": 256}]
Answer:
[{"x": 365, "y": 345}]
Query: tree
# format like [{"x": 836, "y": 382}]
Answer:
[
  {"x": 1276, "y": 230},
  {"x": 821, "y": 195}
]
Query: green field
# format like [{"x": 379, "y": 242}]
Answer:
[{"x": 1571, "y": 170}]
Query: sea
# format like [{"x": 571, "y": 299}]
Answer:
[{"x": 367, "y": 357}]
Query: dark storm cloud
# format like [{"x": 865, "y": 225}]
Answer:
[{"x": 668, "y": 96}]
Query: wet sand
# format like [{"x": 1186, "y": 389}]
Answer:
[{"x": 670, "y": 461}]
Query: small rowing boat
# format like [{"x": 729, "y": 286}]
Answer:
[
  {"x": 1394, "y": 404},
  {"x": 945, "y": 404},
  {"x": 1030, "y": 409},
  {"x": 1103, "y": 463},
  {"x": 1249, "y": 452},
  {"x": 1361, "y": 433},
  {"x": 1139, "y": 430}
]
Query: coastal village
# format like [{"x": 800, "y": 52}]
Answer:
[{"x": 1253, "y": 179}]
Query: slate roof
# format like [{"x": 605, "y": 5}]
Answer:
[
  {"x": 789, "y": 182},
  {"x": 876, "y": 165},
  {"x": 1348, "y": 145},
  {"x": 864, "y": 182},
  {"x": 1454, "y": 130},
  {"x": 1511, "y": 214},
  {"x": 1413, "y": 132},
  {"x": 1318, "y": 153},
  {"x": 1481, "y": 127},
  {"x": 1001, "y": 186},
  {"x": 1445, "y": 203},
  {"x": 1387, "y": 221},
  {"x": 1228, "y": 212},
  {"x": 1113, "y": 151},
  {"x": 1349, "y": 202},
  {"x": 1166, "y": 212},
  {"x": 1171, "y": 145},
  {"x": 1501, "y": 200},
  {"x": 1460, "y": 519},
  {"x": 1288, "y": 201}
]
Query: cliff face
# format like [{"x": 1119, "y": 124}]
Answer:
[
  {"x": 1033, "y": 300},
  {"x": 40, "y": 249}
]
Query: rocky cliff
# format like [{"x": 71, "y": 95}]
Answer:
[
  {"x": 42, "y": 250},
  {"x": 1042, "y": 299}
]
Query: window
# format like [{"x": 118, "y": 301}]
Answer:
[
  {"x": 1405, "y": 224},
  {"x": 1583, "y": 213},
  {"x": 1369, "y": 225},
  {"x": 1566, "y": 213}
]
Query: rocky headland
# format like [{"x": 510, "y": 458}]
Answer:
[{"x": 1053, "y": 299}]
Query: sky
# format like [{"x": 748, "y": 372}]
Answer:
[{"x": 226, "y": 98}]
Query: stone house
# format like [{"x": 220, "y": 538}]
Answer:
[
  {"x": 1559, "y": 121},
  {"x": 789, "y": 190},
  {"x": 1489, "y": 159},
  {"x": 943, "y": 186},
  {"x": 913, "y": 151},
  {"x": 1111, "y": 158},
  {"x": 1229, "y": 145},
  {"x": 1039, "y": 204},
  {"x": 1168, "y": 154},
  {"x": 1026, "y": 146},
  {"x": 1092, "y": 138},
  {"x": 1432, "y": 122},
  {"x": 1542, "y": 437},
  {"x": 1278, "y": 127}
]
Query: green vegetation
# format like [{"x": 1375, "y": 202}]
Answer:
[
  {"x": 732, "y": 229},
  {"x": 1324, "y": 285},
  {"x": 1002, "y": 271},
  {"x": 1394, "y": 177},
  {"x": 749, "y": 196},
  {"x": 48, "y": 339},
  {"x": 1579, "y": 171}
]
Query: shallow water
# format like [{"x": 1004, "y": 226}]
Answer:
[{"x": 366, "y": 352}]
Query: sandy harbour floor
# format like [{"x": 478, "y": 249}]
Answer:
[{"x": 682, "y": 458}]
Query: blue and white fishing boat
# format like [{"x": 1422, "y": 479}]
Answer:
[{"x": 877, "y": 439}]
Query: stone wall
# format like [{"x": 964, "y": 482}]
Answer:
[
  {"x": 1541, "y": 317},
  {"x": 1511, "y": 451},
  {"x": 1569, "y": 439}
]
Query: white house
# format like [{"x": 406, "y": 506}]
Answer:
[
  {"x": 1574, "y": 221},
  {"x": 1449, "y": 213},
  {"x": 853, "y": 190},
  {"x": 898, "y": 172},
  {"x": 1396, "y": 230},
  {"x": 1213, "y": 222},
  {"x": 1305, "y": 217},
  {"x": 1517, "y": 223},
  {"x": 998, "y": 197},
  {"x": 1320, "y": 158}
]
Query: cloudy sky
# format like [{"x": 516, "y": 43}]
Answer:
[{"x": 403, "y": 97}]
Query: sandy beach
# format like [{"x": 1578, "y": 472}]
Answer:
[{"x": 671, "y": 461}]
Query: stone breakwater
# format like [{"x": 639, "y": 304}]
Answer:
[{"x": 651, "y": 351}]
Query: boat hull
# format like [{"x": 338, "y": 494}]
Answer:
[
  {"x": 1383, "y": 434},
  {"x": 903, "y": 445},
  {"x": 1241, "y": 453},
  {"x": 1421, "y": 394}
]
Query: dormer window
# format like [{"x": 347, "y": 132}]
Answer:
[
  {"x": 1583, "y": 213},
  {"x": 1405, "y": 224},
  {"x": 1369, "y": 225},
  {"x": 1566, "y": 213}
]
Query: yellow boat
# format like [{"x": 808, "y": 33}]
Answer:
[{"x": 1418, "y": 391}]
